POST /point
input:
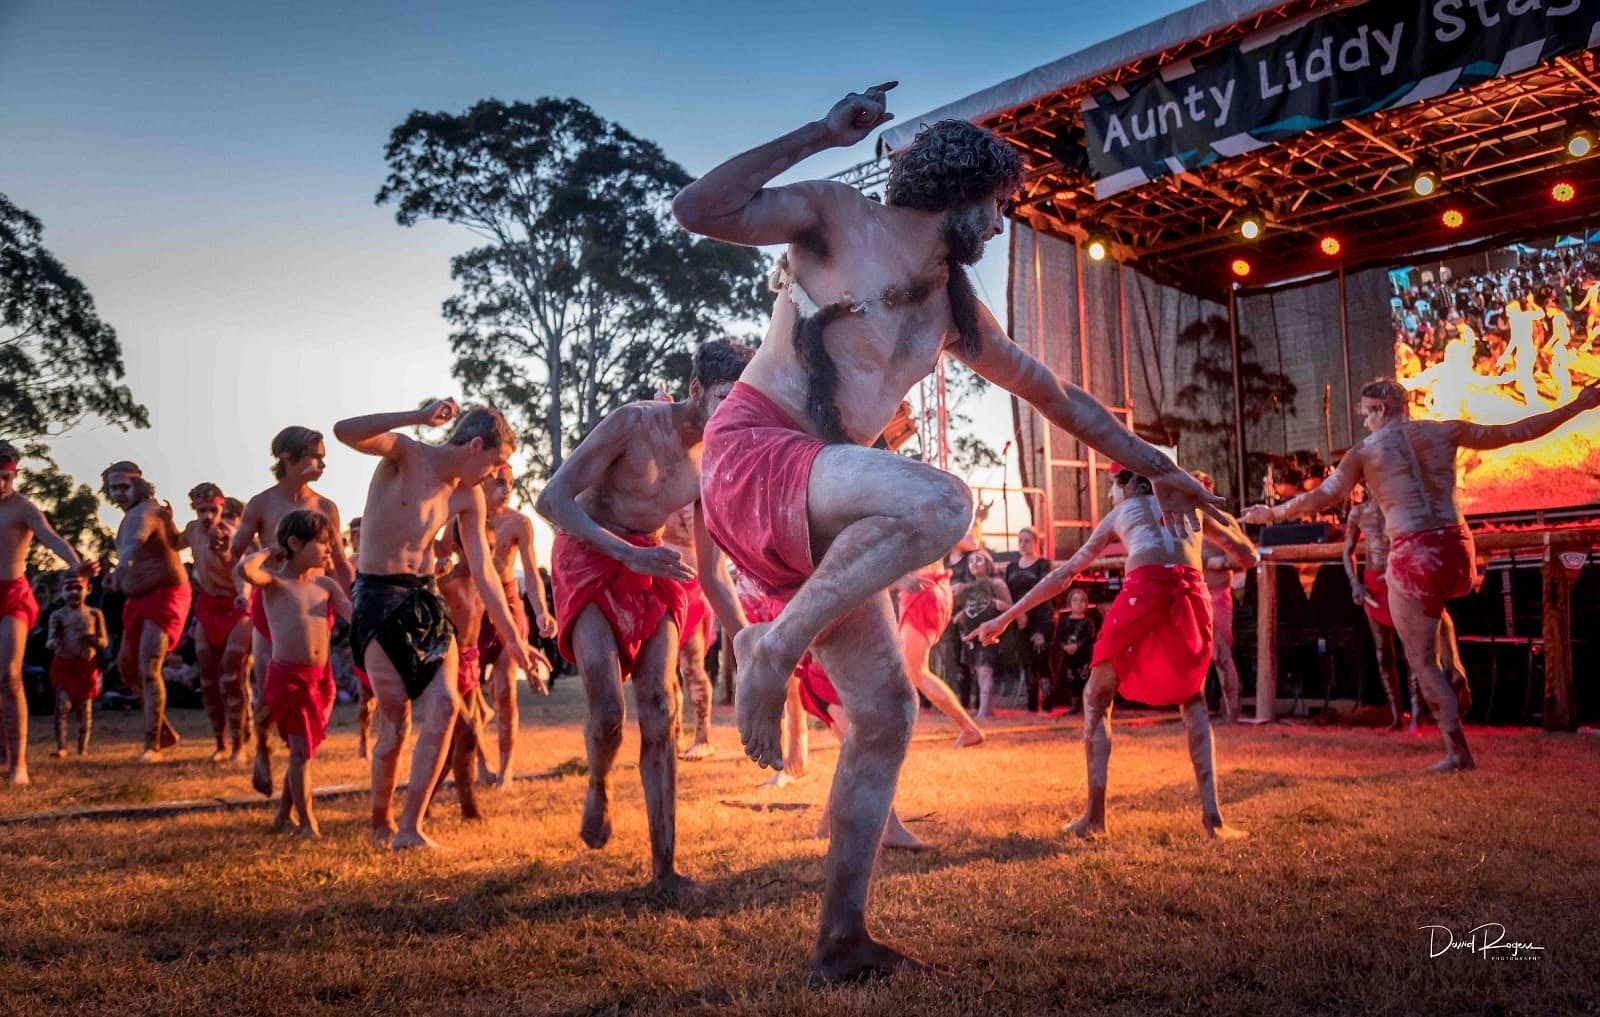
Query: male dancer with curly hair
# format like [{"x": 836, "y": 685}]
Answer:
[{"x": 872, "y": 296}]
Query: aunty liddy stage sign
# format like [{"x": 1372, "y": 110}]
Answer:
[{"x": 1304, "y": 75}]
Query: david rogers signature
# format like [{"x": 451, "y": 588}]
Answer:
[{"x": 1487, "y": 941}]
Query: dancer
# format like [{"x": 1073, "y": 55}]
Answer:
[
  {"x": 1219, "y": 572},
  {"x": 1371, "y": 590},
  {"x": 76, "y": 637},
  {"x": 462, "y": 600},
  {"x": 219, "y": 655},
  {"x": 1156, "y": 643},
  {"x": 925, "y": 607},
  {"x": 367, "y": 704},
  {"x": 695, "y": 639},
  {"x": 512, "y": 542},
  {"x": 156, "y": 595},
  {"x": 790, "y": 491},
  {"x": 1409, "y": 469},
  {"x": 21, "y": 523},
  {"x": 299, "y": 456},
  {"x": 620, "y": 601},
  {"x": 400, "y": 632},
  {"x": 300, "y": 602}
]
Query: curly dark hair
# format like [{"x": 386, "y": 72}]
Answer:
[
  {"x": 950, "y": 164},
  {"x": 205, "y": 491},
  {"x": 295, "y": 442},
  {"x": 305, "y": 525}
]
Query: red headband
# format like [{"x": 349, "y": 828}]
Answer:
[
  {"x": 207, "y": 501},
  {"x": 10, "y": 468}
]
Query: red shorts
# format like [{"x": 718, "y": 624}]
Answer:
[
  {"x": 1376, "y": 603},
  {"x": 634, "y": 606},
  {"x": 699, "y": 616},
  {"x": 1222, "y": 613},
  {"x": 816, "y": 688},
  {"x": 1158, "y": 635},
  {"x": 258, "y": 613},
  {"x": 468, "y": 676},
  {"x": 165, "y": 606},
  {"x": 1432, "y": 566},
  {"x": 16, "y": 600},
  {"x": 217, "y": 616},
  {"x": 927, "y": 609},
  {"x": 298, "y": 698},
  {"x": 755, "y": 473},
  {"x": 78, "y": 677}
]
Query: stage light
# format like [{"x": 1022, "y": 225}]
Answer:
[
  {"x": 1453, "y": 218},
  {"x": 1241, "y": 268},
  {"x": 1251, "y": 225},
  {"x": 1563, "y": 192},
  {"x": 1097, "y": 247},
  {"x": 1425, "y": 183},
  {"x": 1580, "y": 142},
  {"x": 1330, "y": 246}
]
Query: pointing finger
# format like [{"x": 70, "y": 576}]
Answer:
[{"x": 883, "y": 87}]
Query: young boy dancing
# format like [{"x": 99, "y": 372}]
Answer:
[
  {"x": 300, "y": 601},
  {"x": 77, "y": 635}
]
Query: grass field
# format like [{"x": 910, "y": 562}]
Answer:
[{"x": 1351, "y": 851}]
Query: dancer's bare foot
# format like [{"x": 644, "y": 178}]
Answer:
[
  {"x": 59, "y": 754},
  {"x": 895, "y": 835},
  {"x": 783, "y": 778},
  {"x": 407, "y": 839},
  {"x": 1396, "y": 724},
  {"x": 1216, "y": 829},
  {"x": 19, "y": 778},
  {"x": 1463, "y": 691},
  {"x": 261, "y": 774},
  {"x": 969, "y": 737},
  {"x": 698, "y": 751},
  {"x": 1452, "y": 764},
  {"x": 283, "y": 824},
  {"x": 154, "y": 756},
  {"x": 1087, "y": 827},
  {"x": 311, "y": 831},
  {"x": 382, "y": 836},
  {"x": 595, "y": 830},
  {"x": 220, "y": 755},
  {"x": 763, "y": 690},
  {"x": 236, "y": 756},
  {"x": 487, "y": 777},
  {"x": 679, "y": 888},
  {"x": 858, "y": 958}
]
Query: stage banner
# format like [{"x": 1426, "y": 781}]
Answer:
[{"x": 1307, "y": 74}]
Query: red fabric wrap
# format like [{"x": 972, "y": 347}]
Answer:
[
  {"x": 489, "y": 645},
  {"x": 927, "y": 609},
  {"x": 78, "y": 677},
  {"x": 166, "y": 606},
  {"x": 1222, "y": 613},
  {"x": 217, "y": 616},
  {"x": 633, "y": 605},
  {"x": 816, "y": 688},
  {"x": 258, "y": 613},
  {"x": 468, "y": 673},
  {"x": 755, "y": 472},
  {"x": 298, "y": 698},
  {"x": 699, "y": 613},
  {"x": 16, "y": 598},
  {"x": 1376, "y": 603},
  {"x": 1158, "y": 635},
  {"x": 1432, "y": 566}
]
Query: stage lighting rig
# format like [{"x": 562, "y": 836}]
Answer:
[
  {"x": 1426, "y": 182},
  {"x": 1580, "y": 140},
  {"x": 1251, "y": 224},
  {"x": 1097, "y": 246}
]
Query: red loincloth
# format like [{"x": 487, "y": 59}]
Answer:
[
  {"x": 78, "y": 677},
  {"x": 217, "y": 616},
  {"x": 1222, "y": 613},
  {"x": 1376, "y": 602},
  {"x": 258, "y": 613},
  {"x": 299, "y": 699},
  {"x": 755, "y": 472},
  {"x": 489, "y": 645},
  {"x": 166, "y": 606},
  {"x": 699, "y": 615},
  {"x": 927, "y": 609},
  {"x": 361, "y": 676},
  {"x": 16, "y": 599},
  {"x": 468, "y": 676},
  {"x": 817, "y": 692},
  {"x": 633, "y": 605},
  {"x": 1158, "y": 635},
  {"x": 1432, "y": 566}
]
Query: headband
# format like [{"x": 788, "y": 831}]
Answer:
[
  {"x": 9, "y": 468},
  {"x": 196, "y": 503}
]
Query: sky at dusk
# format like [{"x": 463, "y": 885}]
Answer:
[{"x": 208, "y": 170}]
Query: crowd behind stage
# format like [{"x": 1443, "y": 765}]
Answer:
[{"x": 1547, "y": 298}]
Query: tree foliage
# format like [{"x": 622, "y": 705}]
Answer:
[
  {"x": 58, "y": 361},
  {"x": 584, "y": 294},
  {"x": 1202, "y": 414}
]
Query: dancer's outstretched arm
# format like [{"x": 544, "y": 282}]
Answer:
[{"x": 1487, "y": 436}]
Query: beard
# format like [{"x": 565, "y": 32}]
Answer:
[{"x": 963, "y": 236}]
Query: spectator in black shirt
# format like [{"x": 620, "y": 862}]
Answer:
[
  {"x": 1028, "y": 642},
  {"x": 1071, "y": 650}
]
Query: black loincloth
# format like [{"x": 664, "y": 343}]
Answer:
[{"x": 404, "y": 613}]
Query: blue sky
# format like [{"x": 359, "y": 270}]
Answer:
[{"x": 208, "y": 169}]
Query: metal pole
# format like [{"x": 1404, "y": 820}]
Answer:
[
  {"x": 1344, "y": 341},
  {"x": 1091, "y": 488},
  {"x": 1240, "y": 475}
]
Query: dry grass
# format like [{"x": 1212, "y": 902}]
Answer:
[{"x": 1318, "y": 912}]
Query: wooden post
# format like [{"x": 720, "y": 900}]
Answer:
[
  {"x": 1558, "y": 691},
  {"x": 1266, "y": 643}
]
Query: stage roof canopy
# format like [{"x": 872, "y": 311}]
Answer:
[{"x": 1494, "y": 130}]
